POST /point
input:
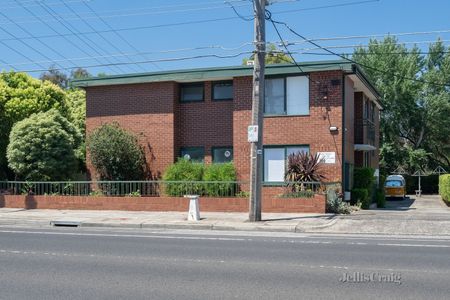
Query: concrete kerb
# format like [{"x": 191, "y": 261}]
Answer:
[
  {"x": 262, "y": 226},
  {"x": 307, "y": 228}
]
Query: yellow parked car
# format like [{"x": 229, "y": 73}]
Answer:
[{"x": 395, "y": 187}]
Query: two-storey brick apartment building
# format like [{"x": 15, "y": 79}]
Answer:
[{"x": 328, "y": 107}]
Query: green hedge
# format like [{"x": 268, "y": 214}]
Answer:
[
  {"x": 360, "y": 196},
  {"x": 184, "y": 170},
  {"x": 380, "y": 197},
  {"x": 363, "y": 184},
  {"x": 220, "y": 172},
  {"x": 363, "y": 178},
  {"x": 444, "y": 187}
]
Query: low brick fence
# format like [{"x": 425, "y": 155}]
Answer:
[{"x": 271, "y": 203}]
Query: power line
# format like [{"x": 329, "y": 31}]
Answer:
[
  {"x": 117, "y": 33},
  {"x": 147, "y": 61},
  {"x": 238, "y": 14},
  {"x": 19, "y": 52},
  {"x": 366, "y": 46},
  {"x": 153, "y": 10},
  {"x": 353, "y": 37},
  {"x": 325, "y": 6},
  {"x": 37, "y": 5},
  {"x": 31, "y": 35},
  {"x": 200, "y": 48},
  {"x": 351, "y": 53},
  {"x": 191, "y": 22},
  {"x": 218, "y": 47},
  {"x": 72, "y": 17},
  {"x": 68, "y": 27},
  {"x": 100, "y": 35},
  {"x": 353, "y": 61},
  {"x": 54, "y": 30},
  {"x": 268, "y": 17}
]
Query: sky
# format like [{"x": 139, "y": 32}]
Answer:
[{"x": 135, "y": 36}]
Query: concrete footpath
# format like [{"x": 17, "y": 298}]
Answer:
[{"x": 423, "y": 216}]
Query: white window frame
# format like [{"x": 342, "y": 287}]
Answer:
[
  {"x": 285, "y": 148},
  {"x": 296, "y": 100}
]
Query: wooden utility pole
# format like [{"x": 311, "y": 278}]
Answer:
[{"x": 257, "y": 112}]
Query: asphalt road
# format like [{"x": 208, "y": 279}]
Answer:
[{"x": 77, "y": 263}]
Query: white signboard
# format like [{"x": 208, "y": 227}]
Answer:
[
  {"x": 328, "y": 157},
  {"x": 252, "y": 133}
]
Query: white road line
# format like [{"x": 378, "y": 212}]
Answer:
[
  {"x": 174, "y": 237},
  {"x": 125, "y": 235},
  {"x": 414, "y": 245}
]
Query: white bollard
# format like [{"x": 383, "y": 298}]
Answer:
[{"x": 194, "y": 209}]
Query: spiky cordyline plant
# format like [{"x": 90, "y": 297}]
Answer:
[{"x": 303, "y": 167}]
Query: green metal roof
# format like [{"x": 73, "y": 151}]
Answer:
[
  {"x": 190, "y": 75},
  {"x": 212, "y": 73}
]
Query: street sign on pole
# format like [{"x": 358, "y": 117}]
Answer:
[{"x": 252, "y": 135}]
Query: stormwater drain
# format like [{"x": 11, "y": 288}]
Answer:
[{"x": 65, "y": 223}]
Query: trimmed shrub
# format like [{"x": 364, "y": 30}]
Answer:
[
  {"x": 116, "y": 154},
  {"x": 444, "y": 187},
  {"x": 184, "y": 170},
  {"x": 360, "y": 196},
  {"x": 363, "y": 178},
  {"x": 42, "y": 147},
  {"x": 220, "y": 172},
  {"x": 380, "y": 197}
]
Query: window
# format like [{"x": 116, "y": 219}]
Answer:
[
  {"x": 222, "y": 154},
  {"x": 196, "y": 154},
  {"x": 372, "y": 112},
  {"x": 275, "y": 159},
  {"x": 223, "y": 90},
  {"x": 287, "y": 96},
  {"x": 393, "y": 183},
  {"x": 367, "y": 160},
  {"x": 274, "y": 96},
  {"x": 191, "y": 92}
]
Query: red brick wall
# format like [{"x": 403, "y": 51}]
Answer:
[
  {"x": 153, "y": 111},
  {"x": 271, "y": 203},
  {"x": 145, "y": 109},
  {"x": 293, "y": 130},
  {"x": 205, "y": 124}
]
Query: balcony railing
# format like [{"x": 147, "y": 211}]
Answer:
[{"x": 364, "y": 132}]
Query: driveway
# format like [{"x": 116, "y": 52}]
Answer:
[
  {"x": 427, "y": 215},
  {"x": 427, "y": 207}
]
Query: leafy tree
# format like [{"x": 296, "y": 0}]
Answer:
[
  {"x": 273, "y": 56},
  {"x": 415, "y": 126},
  {"x": 102, "y": 74},
  {"x": 21, "y": 96},
  {"x": 76, "y": 106},
  {"x": 56, "y": 77},
  {"x": 42, "y": 147},
  {"x": 116, "y": 153},
  {"x": 79, "y": 73}
]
